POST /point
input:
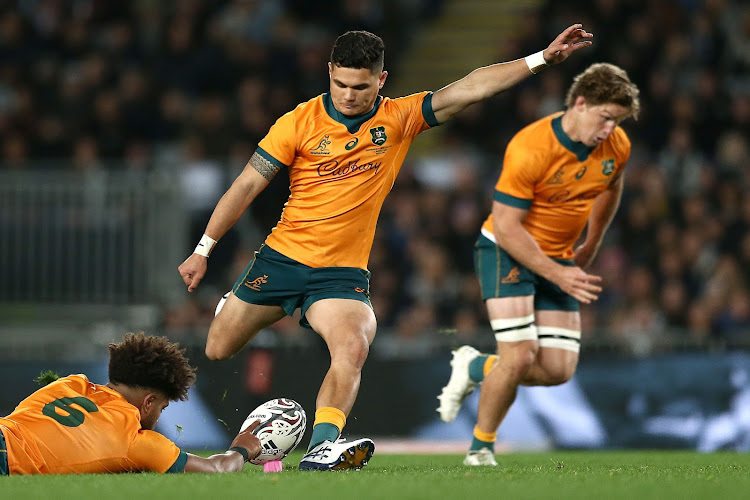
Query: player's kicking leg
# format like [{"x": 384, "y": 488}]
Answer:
[{"x": 236, "y": 323}]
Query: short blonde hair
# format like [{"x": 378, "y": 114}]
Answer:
[{"x": 604, "y": 83}]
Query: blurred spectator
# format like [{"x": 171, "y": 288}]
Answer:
[{"x": 192, "y": 86}]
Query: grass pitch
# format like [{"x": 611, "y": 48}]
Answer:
[{"x": 551, "y": 475}]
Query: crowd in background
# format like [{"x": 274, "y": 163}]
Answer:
[{"x": 89, "y": 85}]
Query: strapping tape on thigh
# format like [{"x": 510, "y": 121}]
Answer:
[
  {"x": 559, "y": 338},
  {"x": 514, "y": 329}
]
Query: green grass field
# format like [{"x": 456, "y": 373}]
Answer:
[{"x": 554, "y": 475}]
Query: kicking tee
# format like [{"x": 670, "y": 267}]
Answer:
[
  {"x": 75, "y": 426},
  {"x": 557, "y": 181},
  {"x": 340, "y": 169}
]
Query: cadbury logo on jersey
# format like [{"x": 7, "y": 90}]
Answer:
[
  {"x": 334, "y": 169},
  {"x": 565, "y": 196}
]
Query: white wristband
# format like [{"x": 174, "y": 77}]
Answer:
[
  {"x": 205, "y": 245},
  {"x": 536, "y": 62}
]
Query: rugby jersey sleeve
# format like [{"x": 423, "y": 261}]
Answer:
[
  {"x": 150, "y": 451},
  {"x": 416, "y": 113},
  {"x": 279, "y": 146},
  {"x": 519, "y": 175}
]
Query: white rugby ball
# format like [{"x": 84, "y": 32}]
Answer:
[{"x": 282, "y": 426}]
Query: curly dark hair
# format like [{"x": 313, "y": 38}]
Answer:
[
  {"x": 359, "y": 49},
  {"x": 153, "y": 363},
  {"x": 603, "y": 83}
]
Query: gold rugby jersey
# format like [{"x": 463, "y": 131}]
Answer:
[
  {"x": 340, "y": 170},
  {"x": 74, "y": 426},
  {"x": 557, "y": 181}
]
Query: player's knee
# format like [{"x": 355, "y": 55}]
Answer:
[
  {"x": 217, "y": 347},
  {"x": 216, "y": 352},
  {"x": 352, "y": 352},
  {"x": 524, "y": 359},
  {"x": 519, "y": 359},
  {"x": 558, "y": 374}
]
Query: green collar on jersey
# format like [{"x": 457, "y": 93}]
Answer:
[
  {"x": 352, "y": 123},
  {"x": 579, "y": 149}
]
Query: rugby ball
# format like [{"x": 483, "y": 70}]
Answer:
[
  {"x": 221, "y": 302},
  {"x": 282, "y": 425}
]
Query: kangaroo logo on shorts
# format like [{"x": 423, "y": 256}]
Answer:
[
  {"x": 512, "y": 276},
  {"x": 378, "y": 135},
  {"x": 608, "y": 166},
  {"x": 257, "y": 282}
]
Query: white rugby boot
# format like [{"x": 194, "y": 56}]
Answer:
[
  {"x": 459, "y": 385},
  {"x": 340, "y": 455},
  {"x": 480, "y": 457}
]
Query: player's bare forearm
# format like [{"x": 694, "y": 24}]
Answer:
[
  {"x": 477, "y": 86},
  {"x": 254, "y": 178},
  {"x": 487, "y": 81},
  {"x": 522, "y": 247},
  {"x": 516, "y": 240},
  {"x": 231, "y": 461},
  {"x": 604, "y": 210}
]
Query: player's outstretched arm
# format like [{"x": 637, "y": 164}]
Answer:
[
  {"x": 229, "y": 461},
  {"x": 254, "y": 178},
  {"x": 487, "y": 81},
  {"x": 516, "y": 240}
]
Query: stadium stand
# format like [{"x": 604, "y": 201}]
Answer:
[{"x": 103, "y": 102}]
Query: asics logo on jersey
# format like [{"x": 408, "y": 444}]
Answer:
[
  {"x": 360, "y": 290},
  {"x": 608, "y": 166},
  {"x": 322, "y": 147},
  {"x": 257, "y": 282},
  {"x": 334, "y": 169},
  {"x": 581, "y": 172},
  {"x": 350, "y": 145},
  {"x": 378, "y": 135},
  {"x": 512, "y": 276}
]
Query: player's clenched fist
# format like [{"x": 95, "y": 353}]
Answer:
[{"x": 193, "y": 270}]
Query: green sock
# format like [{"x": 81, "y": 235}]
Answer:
[
  {"x": 476, "y": 368},
  {"x": 476, "y": 444},
  {"x": 321, "y": 432}
]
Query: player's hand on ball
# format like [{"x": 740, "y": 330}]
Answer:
[{"x": 246, "y": 439}]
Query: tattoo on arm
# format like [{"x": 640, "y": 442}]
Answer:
[{"x": 263, "y": 166}]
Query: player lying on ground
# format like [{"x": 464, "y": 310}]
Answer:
[
  {"x": 75, "y": 426},
  {"x": 560, "y": 174},
  {"x": 343, "y": 150}
]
